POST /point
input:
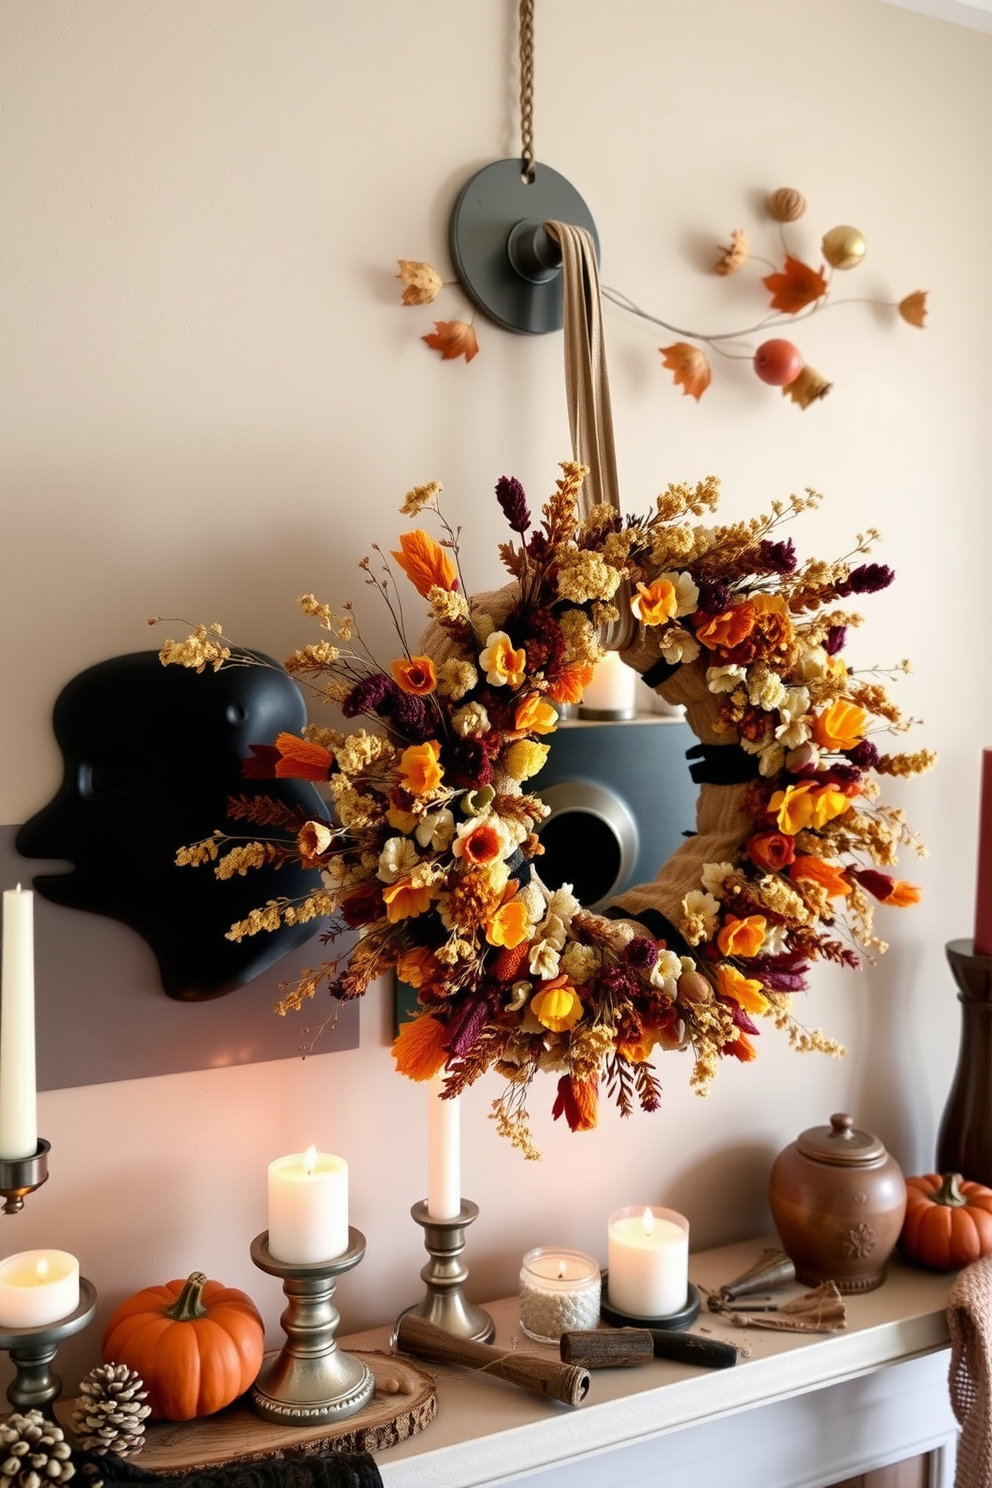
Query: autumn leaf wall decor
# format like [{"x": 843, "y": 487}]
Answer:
[{"x": 796, "y": 290}]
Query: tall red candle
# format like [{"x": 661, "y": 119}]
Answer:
[{"x": 983, "y": 894}]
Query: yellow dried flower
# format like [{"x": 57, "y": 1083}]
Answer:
[
  {"x": 420, "y": 496},
  {"x": 203, "y": 647}
]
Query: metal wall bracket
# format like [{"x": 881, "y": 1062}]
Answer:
[{"x": 506, "y": 262}]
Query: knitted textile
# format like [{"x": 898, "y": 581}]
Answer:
[
  {"x": 969, "y": 1321},
  {"x": 335, "y": 1470}
]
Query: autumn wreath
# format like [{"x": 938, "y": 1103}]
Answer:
[{"x": 430, "y": 846}]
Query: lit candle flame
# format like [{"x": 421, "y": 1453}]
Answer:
[
  {"x": 648, "y": 1222},
  {"x": 310, "y": 1159},
  {"x": 561, "y": 1269},
  {"x": 41, "y": 1271}
]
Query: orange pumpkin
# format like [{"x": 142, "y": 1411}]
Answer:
[
  {"x": 197, "y": 1345},
  {"x": 948, "y": 1221}
]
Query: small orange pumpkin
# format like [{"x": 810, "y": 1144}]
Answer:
[
  {"x": 948, "y": 1221},
  {"x": 196, "y": 1344}
]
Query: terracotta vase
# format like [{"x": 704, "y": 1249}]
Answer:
[
  {"x": 838, "y": 1200},
  {"x": 964, "y": 1138}
]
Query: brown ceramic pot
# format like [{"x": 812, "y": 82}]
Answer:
[{"x": 838, "y": 1200}]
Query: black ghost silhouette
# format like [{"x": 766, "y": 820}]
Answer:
[{"x": 151, "y": 755}]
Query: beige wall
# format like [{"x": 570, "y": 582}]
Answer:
[{"x": 212, "y": 402}]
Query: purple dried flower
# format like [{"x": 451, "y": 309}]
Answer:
[
  {"x": 468, "y": 766},
  {"x": 778, "y": 557},
  {"x": 739, "y": 1016},
  {"x": 714, "y": 597},
  {"x": 836, "y": 639},
  {"x": 467, "y": 1024},
  {"x": 372, "y": 695},
  {"x": 845, "y": 774},
  {"x": 640, "y": 953},
  {"x": 868, "y": 578},
  {"x": 785, "y": 981},
  {"x": 511, "y": 497},
  {"x": 864, "y": 755},
  {"x": 411, "y": 717}
]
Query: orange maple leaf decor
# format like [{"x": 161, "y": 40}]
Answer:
[
  {"x": 453, "y": 338},
  {"x": 689, "y": 368},
  {"x": 795, "y": 286}
]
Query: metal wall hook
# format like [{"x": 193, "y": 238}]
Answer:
[{"x": 506, "y": 262}]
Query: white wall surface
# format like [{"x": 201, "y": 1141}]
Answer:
[{"x": 211, "y": 402}]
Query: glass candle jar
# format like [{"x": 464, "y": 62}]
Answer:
[{"x": 559, "y": 1292}]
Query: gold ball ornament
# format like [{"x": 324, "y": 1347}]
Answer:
[
  {"x": 786, "y": 204},
  {"x": 843, "y": 247}
]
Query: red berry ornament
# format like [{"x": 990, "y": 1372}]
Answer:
[{"x": 778, "y": 362}]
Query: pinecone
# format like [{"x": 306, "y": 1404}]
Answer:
[
  {"x": 110, "y": 1412},
  {"x": 34, "y": 1451}
]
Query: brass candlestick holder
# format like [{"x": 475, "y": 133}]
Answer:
[
  {"x": 35, "y": 1385},
  {"x": 444, "y": 1302},
  {"x": 310, "y": 1381},
  {"x": 20, "y": 1176}
]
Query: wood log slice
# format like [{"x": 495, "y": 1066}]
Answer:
[{"x": 404, "y": 1403}]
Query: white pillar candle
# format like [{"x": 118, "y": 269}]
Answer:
[
  {"x": 444, "y": 1152},
  {"x": 308, "y": 1207},
  {"x": 38, "y": 1287},
  {"x": 18, "y": 1086},
  {"x": 612, "y": 691},
  {"x": 648, "y": 1261},
  {"x": 559, "y": 1291}
]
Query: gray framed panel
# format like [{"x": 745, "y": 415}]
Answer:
[{"x": 102, "y": 1014}]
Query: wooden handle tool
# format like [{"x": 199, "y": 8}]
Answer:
[
  {"x": 548, "y": 1377},
  {"x": 611, "y": 1348}
]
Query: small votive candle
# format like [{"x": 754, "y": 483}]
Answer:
[
  {"x": 559, "y": 1291},
  {"x": 38, "y": 1287},
  {"x": 649, "y": 1261}
]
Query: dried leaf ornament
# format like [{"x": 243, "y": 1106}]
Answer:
[
  {"x": 807, "y": 388},
  {"x": 795, "y": 286},
  {"x": 689, "y": 368},
  {"x": 453, "y": 338},
  {"x": 423, "y": 283},
  {"x": 913, "y": 308},
  {"x": 735, "y": 255}
]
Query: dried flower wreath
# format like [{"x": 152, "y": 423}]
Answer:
[{"x": 431, "y": 846}]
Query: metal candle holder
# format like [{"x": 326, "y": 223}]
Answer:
[
  {"x": 35, "y": 1386},
  {"x": 311, "y": 1381},
  {"x": 22, "y": 1175},
  {"x": 444, "y": 1302}
]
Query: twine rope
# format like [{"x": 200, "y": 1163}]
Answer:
[{"x": 527, "y": 89}]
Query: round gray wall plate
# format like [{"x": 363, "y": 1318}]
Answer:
[{"x": 509, "y": 267}]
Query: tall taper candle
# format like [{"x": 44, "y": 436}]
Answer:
[
  {"x": 18, "y": 1085},
  {"x": 444, "y": 1193},
  {"x": 983, "y": 891}
]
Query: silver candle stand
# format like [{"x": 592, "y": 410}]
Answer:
[
  {"x": 20, "y": 1176},
  {"x": 444, "y": 1302},
  {"x": 35, "y": 1385},
  {"x": 310, "y": 1382}
]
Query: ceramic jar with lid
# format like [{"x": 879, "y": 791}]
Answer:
[{"x": 838, "y": 1200}]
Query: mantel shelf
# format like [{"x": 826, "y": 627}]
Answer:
[{"x": 488, "y": 1432}]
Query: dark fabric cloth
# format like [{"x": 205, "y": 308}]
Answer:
[
  {"x": 335, "y": 1470},
  {"x": 659, "y": 673},
  {"x": 721, "y": 764}
]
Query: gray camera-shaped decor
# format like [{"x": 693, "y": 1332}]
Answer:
[{"x": 621, "y": 800}]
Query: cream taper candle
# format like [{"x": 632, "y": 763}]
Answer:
[
  {"x": 444, "y": 1194},
  {"x": 18, "y": 1088}
]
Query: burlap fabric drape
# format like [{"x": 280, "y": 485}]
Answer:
[{"x": 969, "y": 1321}]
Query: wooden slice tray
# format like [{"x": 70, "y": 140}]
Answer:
[{"x": 405, "y": 1402}]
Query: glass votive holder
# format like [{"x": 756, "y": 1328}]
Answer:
[
  {"x": 648, "y": 1250},
  {"x": 559, "y": 1291}
]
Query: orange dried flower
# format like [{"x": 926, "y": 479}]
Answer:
[
  {"x": 742, "y": 937},
  {"x": 404, "y": 900},
  {"x": 728, "y": 628},
  {"x": 420, "y": 768},
  {"x": 415, "y": 675},
  {"x": 417, "y": 1048},
  {"x": 655, "y": 603},
  {"x": 534, "y": 716},
  {"x": 302, "y": 760},
  {"x": 569, "y": 685},
  {"x": 840, "y": 726},
  {"x": 509, "y": 926},
  {"x": 426, "y": 564},
  {"x": 828, "y": 875}
]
